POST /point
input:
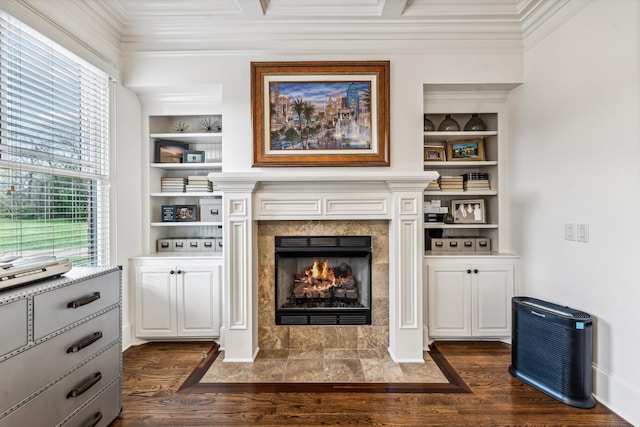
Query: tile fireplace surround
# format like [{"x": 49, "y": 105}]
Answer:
[{"x": 387, "y": 207}]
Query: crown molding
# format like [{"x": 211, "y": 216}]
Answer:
[{"x": 109, "y": 29}]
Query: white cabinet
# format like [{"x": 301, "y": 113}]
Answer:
[
  {"x": 470, "y": 296},
  {"x": 177, "y": 297}
]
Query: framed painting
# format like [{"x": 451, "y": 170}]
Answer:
[
  {"x": 434, "y": 153},
  {"x": 170, "y": 151},
  {"x": 320, "y": 113},
  {"x": 469, "y": 150},
  {"x": 468, "y": 211}
]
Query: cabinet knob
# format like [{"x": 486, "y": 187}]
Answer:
[
  {"x": 179, "y": 271},
  {"x": 469, "y": 271},
  {"x": 475, "y": 270},
  {"x": 172, "y": 272}
]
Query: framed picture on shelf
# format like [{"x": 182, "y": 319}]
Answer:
[
  {"x": 467, "y": 150},
  {"x": 186, "y": 213},
  {"x": 168, "y": 213},
  {"x": 170, "y": 151},
  {"x": 468, "y": 211},
  {"x": 434, "y": 153},
  {"x": 320, "y": 113},
  {"x": 192, "y": 156}
]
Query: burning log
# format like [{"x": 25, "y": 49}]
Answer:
[{"x": 320, "y": 281}]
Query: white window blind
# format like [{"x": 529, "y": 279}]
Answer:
[{"x": 54, "y": 150}]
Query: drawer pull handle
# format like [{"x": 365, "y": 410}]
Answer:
[
  {"x": 86, "y": 386},
  {"x": 85, "y": 343},
  {"x": 84, "y": 301},
  {"x": 93, "y": 422}
]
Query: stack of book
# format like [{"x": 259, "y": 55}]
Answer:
[
  {"x": 475, "y": 181},
  {"x": 434, "y": 211},
  {"x": 433, "y": 186},
  {"x": 172, "y": 185},
  {"x": 199, "y": 183},
  {"x": 451, "y": 183}
]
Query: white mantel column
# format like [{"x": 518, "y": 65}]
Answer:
[
  {"x": 406, "y": 249},
  {"x": 239, "y": 332}
]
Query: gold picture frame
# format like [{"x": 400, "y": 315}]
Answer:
[
  {"x": 434, "y": 153},
  {"x": 467, "y": 150},
  {"x": 320, "y": 113}
]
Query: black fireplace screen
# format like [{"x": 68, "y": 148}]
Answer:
[{"x": 323, "y": 280}]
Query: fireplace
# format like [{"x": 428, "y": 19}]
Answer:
[{"x": 323, "y": 280}]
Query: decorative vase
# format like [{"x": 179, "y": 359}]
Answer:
[
  {"x": 428, "y": 124},
  {"x": 448, "y": 218},
  {"x": 475, "y": 123},
  {"x": 448, "y": 124}
]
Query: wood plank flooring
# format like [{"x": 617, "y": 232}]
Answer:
[{"x": 153, "y": 373}]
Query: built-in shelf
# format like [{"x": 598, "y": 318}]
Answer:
[
  {"x": 187, "y": 166},
  {"x": 461, "y": 164},
  {"x": 196, "y": 138},
  {"x": 184, "y": 224},
  {"x": 461, "y": 193},
  {"x": 191, "y": 194},
  {"x": 458, "y": 226},
  {"x": 445, "y": 136}
]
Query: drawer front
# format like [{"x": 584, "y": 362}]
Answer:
[
  {"x": 101, "y": 411},
  {"x": 27, "y": 372},
  {"x": 13, "y": 332},
  {"x": 67, "y": 395},
  {"x": 60, "y": 307}
]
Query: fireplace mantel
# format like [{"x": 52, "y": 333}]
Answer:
[{"x": 250, "y": 197}]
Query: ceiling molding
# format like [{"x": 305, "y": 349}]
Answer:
[{"x": 117, "y": 27}]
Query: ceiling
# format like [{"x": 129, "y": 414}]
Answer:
[{"x": 131, "y": 26}]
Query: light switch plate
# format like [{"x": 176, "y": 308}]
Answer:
[
  {"x": 569, "y": 231},
  {"x": 582, "y": 231}
]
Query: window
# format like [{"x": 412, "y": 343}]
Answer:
[{"x": 54, "y": 150}]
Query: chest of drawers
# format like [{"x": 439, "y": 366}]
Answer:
[{"x": 60, "y": 350}]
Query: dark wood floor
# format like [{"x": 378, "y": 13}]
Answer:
[{"x": 153, "y": 373}]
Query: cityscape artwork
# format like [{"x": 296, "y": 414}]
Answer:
[{"x": 320, "y": 113}]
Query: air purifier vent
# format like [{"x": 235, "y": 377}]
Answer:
[{"x": 551, "y": 350}]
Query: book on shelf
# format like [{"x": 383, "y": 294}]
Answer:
[
  {"x": 198, "y": 183},
  {"x": 451, "y": 183},
  {"x": 477, "y": 185},
  {"x": 433, "y": 185},
  {"x": 475, "y": 176},
  {"x": 172, "y": 185}
]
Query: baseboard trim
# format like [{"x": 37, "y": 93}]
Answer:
[{"x": 617, "y": 394}]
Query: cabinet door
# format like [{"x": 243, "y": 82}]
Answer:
[
  {"x": 492, "y": 289},
  {"x": 199, "y": 299},
  {"x": 155, "y": 302},
  {"x": 449, "y": 289}
]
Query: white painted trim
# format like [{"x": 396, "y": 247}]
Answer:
[{"x": 609, "y": 389}]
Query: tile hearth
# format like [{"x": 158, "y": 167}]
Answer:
[{"x": 320, "y": 366}]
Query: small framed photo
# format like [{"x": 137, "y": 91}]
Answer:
[
  {"x": 468, "y": 150},
  {"x": 469, "y": 211},
  {"x": 186, "y": 213},
  {"x": 193, "y": 156},
  {"x": 168, "y": 213},
  {"x": 170, "y": 151},
  {"x": 434, "y": 153}
]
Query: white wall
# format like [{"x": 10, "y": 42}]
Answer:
[
  {"x": 186, "y": 72},
  {"x": 575, "y": 158},
  {"x": 126, "y": 181}
]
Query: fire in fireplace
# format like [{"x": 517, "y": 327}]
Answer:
[{"x": 323, "y": 280}]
